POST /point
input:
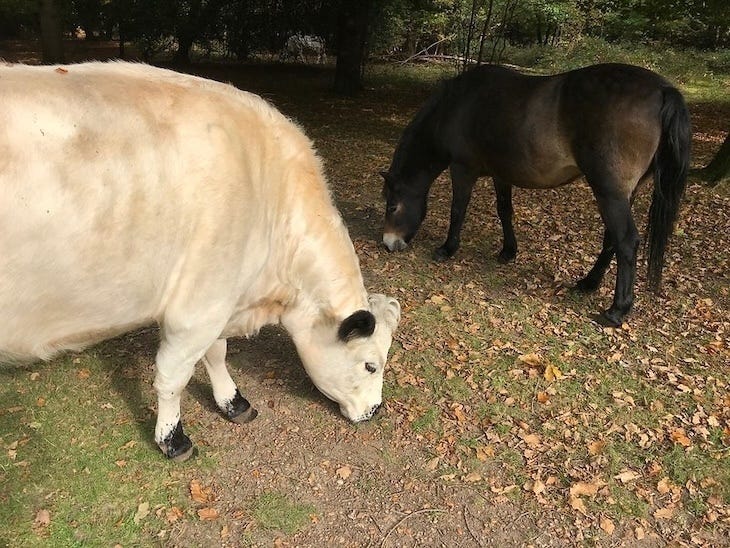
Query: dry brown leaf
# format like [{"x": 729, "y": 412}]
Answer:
[
  {"x": 639, "y": 532},
  {"x": 344, "y": 472},
  {"x": 664, "y": 485},
  {"x": 173, "y": 514},
  {"x": 197, "y": 492},
  {"x": 552, "y": 373},
  {"x": 542, "y": 397},
  {"x": 532, "y": 440},
  {"x": 531, "y": 359},
  {"x": 472, "y": 477},
  {"x": 538, "y": 487},
  {"x": 83, "y": 374},
  {"x": 432, "y": 464},
  {"x": 665, "y": 513},
  {"x": 578, "y": 504},
  {"x": 582, "y": 488},
  {"x": 596, "y": 447},
  {"x": 143, "y": 510},
  {"x": 626, "y": 476},
  {"x": 678, "y": 435},
  {"x": 208, "y": 514},
  {"x": 607, "y": 525},
  {"x": 42, "y": 518}
]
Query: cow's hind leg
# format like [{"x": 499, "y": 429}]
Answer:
[
  {"x": 229, "y": 400},
  {"x": 592, "y": 280},
  {"x": 180, "y": 350}
]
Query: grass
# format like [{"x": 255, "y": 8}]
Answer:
[
  {"x": 74, "y": 449},
  {"x": 275, "y": 511}
]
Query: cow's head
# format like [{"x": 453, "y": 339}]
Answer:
[{"x": 346, "y": 360}]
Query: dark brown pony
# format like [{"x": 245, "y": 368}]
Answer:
[{"x": 614, "y": 124}]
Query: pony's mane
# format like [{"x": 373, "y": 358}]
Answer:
[{"x": 414, "y": 130}]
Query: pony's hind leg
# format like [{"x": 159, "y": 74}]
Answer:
[
  {"x": 616, "y": 213},
  {"x": 229, "y": 400},
  {"x": 462, "y": 183},
  {"x": 593, "y": 279},
  {"x": 505, "y": 212}
]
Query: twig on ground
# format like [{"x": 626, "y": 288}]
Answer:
[
  {"x": 468, "y": 526},
  {"x": 404, "y": 518}
]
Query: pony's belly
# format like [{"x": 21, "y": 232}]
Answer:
[{"x": 549, "y": 178}]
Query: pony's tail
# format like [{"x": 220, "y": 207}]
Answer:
[{"x": 671, "y": 162}]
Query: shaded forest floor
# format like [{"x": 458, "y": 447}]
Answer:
[{"x": 510, "y": 418}]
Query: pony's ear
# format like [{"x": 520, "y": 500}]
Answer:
[
  {"x": 385, "y": 175},
  {"x": 358, "y": 324}
]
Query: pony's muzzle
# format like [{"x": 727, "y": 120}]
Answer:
[{"x": 394, "y": 242}]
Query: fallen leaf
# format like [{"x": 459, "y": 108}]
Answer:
[
  {"x": 83, "y": 373},
  {"x": 664, "y": 513},
  {"x": 143, "y": 511},
  {"x": 173, "y": 514},
  {"x": 664, "y": 486},
  {"x": 42, "y": 518},
  {"x": 607, "y": 525},
  {"x": 120, "y": 463},
  {"x": 208, "y": 514},
  {"x": 582, "y": 488},
  {"x": 639, "y": 532},
  {"x": 578, "y": 504},
  {"x": 596, "y": 447},
  {"x": 199, "y": 494},
  {"x": 433, "y": 463},
  {"x": 472, "y": 477},
  {"x": 542, "y": 397},
  {"x": 678, "y": 435},
  {"x": 344, "y": 472},
  {"x": 626, "y": 476},
  {"x": 531, "y": 359},
  {"x": 552, "y": 373}
]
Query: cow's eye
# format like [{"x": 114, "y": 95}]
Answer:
[{"x": 370, "y": 367}]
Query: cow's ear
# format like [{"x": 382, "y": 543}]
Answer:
[{"x": 358, "y": 324}]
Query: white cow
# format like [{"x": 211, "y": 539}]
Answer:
[{"x": 131, "y": 194}]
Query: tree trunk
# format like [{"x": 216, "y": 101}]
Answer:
[
  {"x": 51, "y": 36},
  {"x": 352, "y": 34},
  {"x": 719, "y": 167}
]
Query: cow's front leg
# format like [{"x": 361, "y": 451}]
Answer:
[
  {"x": 175, "y": 363},
  {"x": 229, "y": 400}
]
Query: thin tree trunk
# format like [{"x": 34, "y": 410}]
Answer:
[
  {"x": 352, "y": 35},
  {"x": 51, "y": 33},
  {"x": 469, "y": 34},
  {"x": 485, "y": 32}
]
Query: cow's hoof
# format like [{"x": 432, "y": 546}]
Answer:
[
  {"x": 239, "y": 410},
  {"x": 177, "y": 446}
]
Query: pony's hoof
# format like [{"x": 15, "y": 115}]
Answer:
[
  {"x": 441, "y": 254},
  {"x": 177, "y": 446},
  {"x": 609, "y": 318},
  {"x": 504, "y": 257},
  {"x": 238, "y": 410},
  {"x": 587, "y": 285},
  {"x": 247, "y": 416}
]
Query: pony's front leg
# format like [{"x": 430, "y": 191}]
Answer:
[
  {"x": 592, "y": 280},
  {"x": 229, "y": 400},
  {"x": 462, "y": 184},
  {"x": 505, "y": 211}
]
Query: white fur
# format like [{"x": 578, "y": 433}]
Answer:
[{"x": 131, "y": 194}]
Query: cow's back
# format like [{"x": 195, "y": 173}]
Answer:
[{"x": 120, "y": 184}]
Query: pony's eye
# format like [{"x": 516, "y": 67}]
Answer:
[
  {"x": 370, "y": 367},
  {"x": 392, "y": 208}
]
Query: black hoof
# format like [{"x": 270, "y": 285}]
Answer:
[
  {"x": 609, "y": 318},
  {"x": 177, "y": 446},
  {"x": 238, "y": 410},
  {"x": 505, "y": 257},
  {"x": 587, "y": 285},
  {"x": 441, "y": 254}
]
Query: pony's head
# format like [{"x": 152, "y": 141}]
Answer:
[{"x": 405, "y": 208}]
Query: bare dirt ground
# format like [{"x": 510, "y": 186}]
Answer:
[{"x": 400, "y": 480}]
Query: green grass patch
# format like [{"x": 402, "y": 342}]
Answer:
[{"x": 275, "y": 511}]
